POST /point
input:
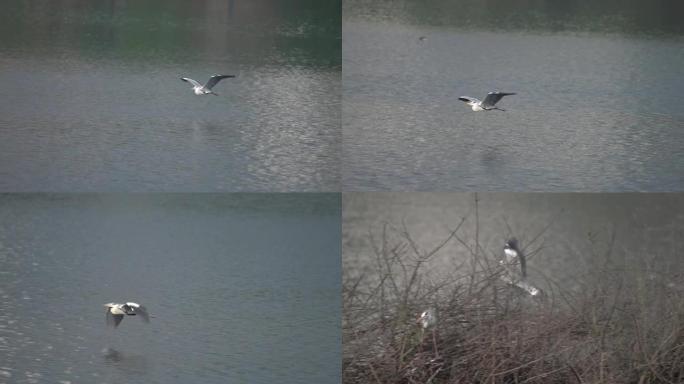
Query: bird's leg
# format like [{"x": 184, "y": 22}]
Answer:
[{"x": 434, "y": 342}]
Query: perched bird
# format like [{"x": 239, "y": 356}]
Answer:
[
  {"x": 116, "y": 312},
  {"x": 488, "y": 103},
  {"x": 428, "y": 318},
  {"x": 206, "y": 88},
  {"x": 513, "y": 255}
]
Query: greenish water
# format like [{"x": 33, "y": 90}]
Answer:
[
  {"x": 92, "y": 99},
  {"x": 288, "y": 32}
]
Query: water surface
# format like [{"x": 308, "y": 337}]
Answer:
[
  {"x": 242, "y": 288},
  {"x": 597, "y": 105},
  {"x": 92, "y": 100},
  {"x": 569, "y": 236}
]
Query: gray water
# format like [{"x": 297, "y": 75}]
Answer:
[
  {"x": 568, "y": 236},
  {"x": 242, "y": 288},
  {"x": 598, "y": 104},
  {"x": 92, "y": 100}
]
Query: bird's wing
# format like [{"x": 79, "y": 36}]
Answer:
[
  {"x": 469, "y": 99},
  {"x": 191, "y": 81},
  {"x": 527, "y": 287},
  {"x": 142, "y": 311},
  {"x": 493, "y": 98},
  {"x": 113, "y": 320},
  {"x": 215, "y": 79}
]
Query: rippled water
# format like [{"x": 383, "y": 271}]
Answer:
[
  {"x": 92, "y": 99},
  {"x": 242, "y": 288},
  {"x": 569, "y": 236},
  {"x": 597, "y": 105}
]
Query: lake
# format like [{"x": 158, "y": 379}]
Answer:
[
  {"x": 241, "y": 288},
  {"x": 92, "y": 98},
  {"x": 569, "y": 237},
  {"x": 597, "y": 105}
]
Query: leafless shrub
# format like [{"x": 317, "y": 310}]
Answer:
[{"x": 488, "y": 332}]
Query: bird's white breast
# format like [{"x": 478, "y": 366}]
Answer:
[
  {"x": 510, "y": 253},
  {"x": 476, "y": 107}
]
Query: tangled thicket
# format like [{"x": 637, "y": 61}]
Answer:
[{"x": 489, "y": 332}]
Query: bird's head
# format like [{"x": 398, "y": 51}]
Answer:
[
  {"x": 426, "y": 318},
  {"x": 512, "y": 243}
]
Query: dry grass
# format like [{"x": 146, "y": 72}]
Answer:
[{"x": 490, "y": 332}]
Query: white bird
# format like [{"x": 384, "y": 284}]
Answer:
[
  {"x": 488, "y": 103},
  {"x": 520, "y": 283},
  {"x": 116, "y": 312},
  {"x": 428, "y": 318},
  {"x": 513, "y": 255},
  {"x": 206, "y": 88}
]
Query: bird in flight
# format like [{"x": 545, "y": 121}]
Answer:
[
  {"x": 116, "y": 312},
  {"x": 206, "y": 88},
  {"x": 488, "y": 104}
]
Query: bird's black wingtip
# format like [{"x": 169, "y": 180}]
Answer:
[{"x": 463, "y": 99}]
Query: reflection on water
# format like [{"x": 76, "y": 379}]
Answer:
[
  {"x": 596, "y": 106},
  {"x": 294, "y": 32},
  {"x": 94, "y": 100},
  {"x": 112, "y": 354},
  {"x": 128, "y": 362},
  {"x": 232, "y": 283}
]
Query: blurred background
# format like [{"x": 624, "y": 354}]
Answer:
[
  {"x": 601, "y": 301},
  {"x": 569, "y": 233}
]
